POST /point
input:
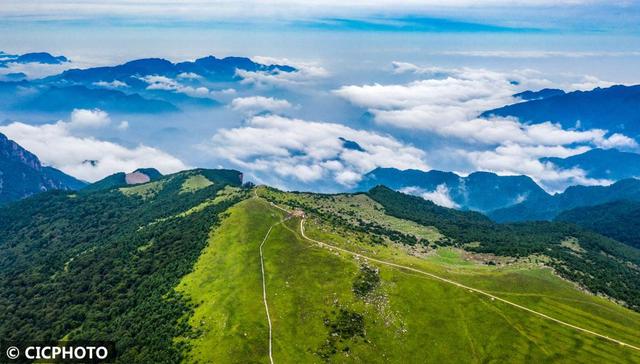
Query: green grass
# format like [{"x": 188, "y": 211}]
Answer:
[
  {"x": 226, "y": 288},
  {"x": 145, "y": 190},
  {"x": 352, "y": 207},
  {"x": 534, "y": 287},
  {"x": 407, "y": 318},
  {"x": 195, "y": 183}
]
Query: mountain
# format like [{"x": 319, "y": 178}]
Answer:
[
  {"x": 616, "y": 108},
  {"x": 150, "y": 85},
  {"x": 610, "y": 164},
  {"x": 480, "y": 191},
  {"x": 195, "y": 267},
  {"x": 618, "y": 220},
  {"x": 40, "y": 57},
  {"x": 35, "y": 57},
  {"x": 22, "y": 174},
  {"x": 141, "y": 175},
  {"x": 539, "y": 95},
  {"x": 210, "y": 68},
  {"x": 548, "y": 207},
  {"x": 71, "y": 97}
]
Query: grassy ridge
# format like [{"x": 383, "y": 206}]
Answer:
[
  {"x": 225, "y": 287},
  {"x": 405, "y": 318}
]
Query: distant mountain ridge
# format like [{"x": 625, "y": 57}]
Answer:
[
  {"x": 210, "y": 68},
  {"x": 480, "y": 191},
  {"x": 22, "y": 174},
  {"x": 616, "y": 108},
  {"x": 598, "y": 163},
  {"x": 539, "y": 95},
  {"x": 149, "y": 85},
  {"x": 35, "y": 57},
  {"x": 548, "y": 207}
]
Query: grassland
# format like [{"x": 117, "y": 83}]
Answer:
[
  {"x": 145, "y": 190},
  {"x": 195, "y": 183},
  {"x": 405, "y": 318}
]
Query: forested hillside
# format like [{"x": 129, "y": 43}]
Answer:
[
  {"x": 618, "y": 220},
  {"x": 103, "y": 265}
]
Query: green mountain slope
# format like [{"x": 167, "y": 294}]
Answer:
[
  {"x": 603, "y": 265},
  {"x": 173, "y": 271},
  {"x": 320, "y": 311},
  {"x": 618, "y": 220},
  {"x": 103, "y": 265}
]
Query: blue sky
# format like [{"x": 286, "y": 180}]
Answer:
[{"x": 355, "y": 58}]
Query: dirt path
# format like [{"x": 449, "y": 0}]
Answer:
[
  {"x": 264, "y": 293},
  {"x": 470, "y": 289}
]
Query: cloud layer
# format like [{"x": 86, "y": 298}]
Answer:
[
  {"x": 310, "y": 152},
  {"x": 257, "y": 104},
  {"x": 445, "y": 104},
  {"x": 440, "y": 196},
  {"x": 86, "y": 157}
]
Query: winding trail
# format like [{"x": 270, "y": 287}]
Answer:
[
  {"x": 264, "y": 293},
  {"x": 460, "y": 285},
  {"x": 264, "y": 281}
]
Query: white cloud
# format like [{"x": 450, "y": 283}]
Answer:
[
  {"x": 124, "y": 125},
  {"x": 56, "y": 145},
  {"x": 251, "y": 9},
  {"x": 309, "y": 151},
  {"x": 36, "y": 70},
  {"x": 167, "y": 84},
  {"x": 445, "y": 105},
  {"x": 256, "y": 104},
  {"x": 189, "y": 76},
  {"x": 589, "y": 82},
  {"x": 449, "y": 107},
  {"x": 440, "y": 196},
  {"x": 306, "y": 73},
  {"x": 535, "y": 54},
  {"x": 514, "y": 159},
  {"x": 83, "y": 118},
  {"x": 115, "y": 84}
]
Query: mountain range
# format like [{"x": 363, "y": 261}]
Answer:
[
  {"x": 35, "y": 57},
  {"x": 610, "y": 164},
  {"x": 151, "y": 85},
  {"x": 547, "y": 207},
  {"x": 616, "y": 108},
  {"x": 518, "y": 198},
  {"x": 22, "y": 174},
  {"x": 479, "y": 191}
]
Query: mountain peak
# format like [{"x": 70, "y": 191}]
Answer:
[
  {"x": 22, "y": 174},
  {"x": 480, "y": 191}
]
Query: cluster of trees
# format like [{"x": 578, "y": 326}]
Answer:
[
  {"x": 603, "y": 265},
  {"x": 344, "y": 326},
  {"x": 103, "y": 265},
  {"x": 617, "y": 220}
]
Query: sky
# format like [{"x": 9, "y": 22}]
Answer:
[{"x": 406, "y": 80}]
